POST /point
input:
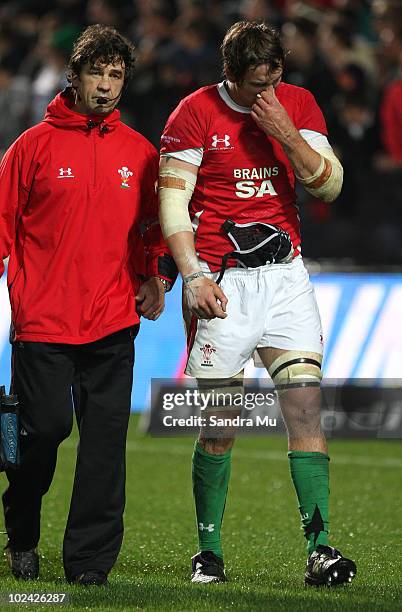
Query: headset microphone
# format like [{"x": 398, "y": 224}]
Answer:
[{"x": 102, "y": 100}]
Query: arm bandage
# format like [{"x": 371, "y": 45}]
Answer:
[
  {"x": 176, "y": 187},
  {"x": 326, "y": 182}
]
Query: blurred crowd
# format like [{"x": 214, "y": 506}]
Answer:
[{"x": 348, "y": 53}]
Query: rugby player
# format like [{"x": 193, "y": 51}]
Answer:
[{"x": 231, "y": 154}]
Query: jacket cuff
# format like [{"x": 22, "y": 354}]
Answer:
[{"x": 163, "y": 266}]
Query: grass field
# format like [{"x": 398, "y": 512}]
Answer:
[{"x": 264, "y": 547}]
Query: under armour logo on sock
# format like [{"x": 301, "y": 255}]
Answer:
[{"x": 210, "y": 527}]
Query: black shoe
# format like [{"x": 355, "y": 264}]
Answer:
[
  {"x": 207, "y": 567},
  {"x": 327, "y": 566},
  {"x": 23, "y": 564},
  {"x": 90, "y": 578}
]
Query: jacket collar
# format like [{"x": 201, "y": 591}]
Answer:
[{"x": 61, "y": 114}]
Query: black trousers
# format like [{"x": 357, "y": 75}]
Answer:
[{"x": 45, "y": 377}]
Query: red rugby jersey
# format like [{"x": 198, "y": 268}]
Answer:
[{"x": 244, "y": 175}]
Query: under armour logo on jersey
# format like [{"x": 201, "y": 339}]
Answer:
[
  {"x": 216, "y": 140},
  {"x": 210, "y": 527},
  {"x": 65, "y": 173}
]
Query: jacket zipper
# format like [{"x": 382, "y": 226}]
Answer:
[{"x": 93, "y": 181}]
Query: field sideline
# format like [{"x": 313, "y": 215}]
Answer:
[{"x": 263, "y": 543}]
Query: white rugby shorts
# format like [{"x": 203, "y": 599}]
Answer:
[{"x": 270, "y": 306}]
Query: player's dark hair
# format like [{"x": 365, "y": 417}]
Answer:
[
  {"x": 249, "y": 44},
  {"x": 102, "y": 44}
]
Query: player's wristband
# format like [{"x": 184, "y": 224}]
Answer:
[{"x": 190, "y": 277}]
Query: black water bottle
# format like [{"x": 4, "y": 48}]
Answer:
[{"x": 9, "y": 446}]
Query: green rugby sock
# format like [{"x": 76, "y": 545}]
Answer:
[
  {"x": 310, "y": 475},
  {"x": 211, "y": 475}
]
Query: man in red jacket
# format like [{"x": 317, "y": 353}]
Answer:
[{"x": 78, "y": 219}]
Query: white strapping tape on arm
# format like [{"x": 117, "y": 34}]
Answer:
[
  {"x": 176, "y": 187},
  {"x": 326, "y": 182}
]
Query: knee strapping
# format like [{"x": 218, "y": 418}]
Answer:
[
  {"x": 220, "y": 394},
  {"x": 295, "y": 369}
]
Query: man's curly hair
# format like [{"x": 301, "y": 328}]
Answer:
[{"x": 101, "y": 44}]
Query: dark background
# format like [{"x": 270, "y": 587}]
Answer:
[{"x": 347, "y": 52}]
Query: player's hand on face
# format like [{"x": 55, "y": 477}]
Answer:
[
  {"x": 151, "y": 299},
  {"x": 270, "y": 116},
  {"x": 205, "y": 298}
]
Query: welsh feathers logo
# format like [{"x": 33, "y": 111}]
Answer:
[
  {"x": 208, "y": 350},
  {"x": 125, "y": 174}
]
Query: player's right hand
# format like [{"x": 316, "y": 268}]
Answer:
[{"x": 205, "y": 298}]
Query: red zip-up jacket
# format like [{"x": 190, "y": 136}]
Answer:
[{"x": 75, "y": 191}]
